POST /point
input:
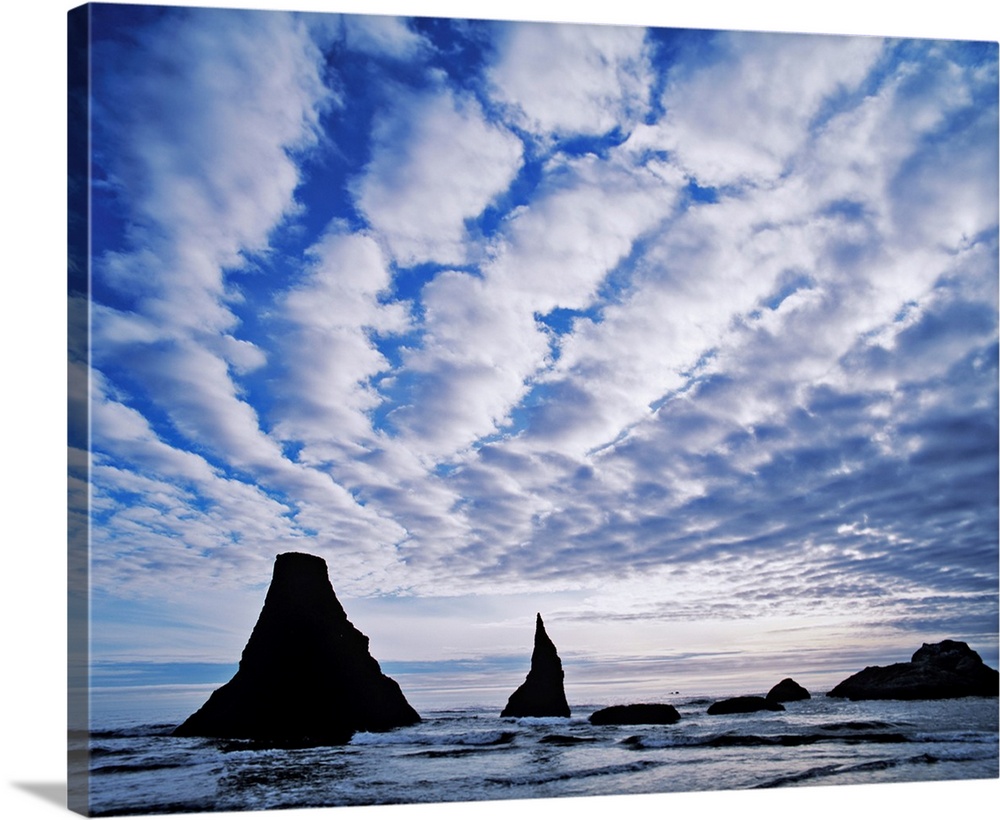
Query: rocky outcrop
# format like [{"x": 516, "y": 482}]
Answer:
[
  {"x": 787, "y": 690},
  {"x": 635, "y": 713},
  {"x": 541, "y": 694},
  {"x": 949, "y": 669},
  {"x": 306, "y": 676},
  {"x": 744, "y": 704}
]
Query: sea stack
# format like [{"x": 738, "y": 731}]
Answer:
[
  {"x": 949, "y": 669},
  {"x": 787, "y": 690},
  {"x": 745, "y": 704},
  {"x": 635, "y": 713},
  {"x": 306, "y": 676},
  {"x": 541, "y": 694}
]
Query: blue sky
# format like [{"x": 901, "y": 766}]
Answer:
[{"x": 686, "y": 339}]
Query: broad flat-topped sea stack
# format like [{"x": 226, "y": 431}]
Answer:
[
  {"x": 306, "y": 675},
  {"x": 542, "y": 693},
  {"x": 949, "y": 669}
]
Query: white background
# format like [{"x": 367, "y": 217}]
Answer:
[{"x": 32, "y": 402}]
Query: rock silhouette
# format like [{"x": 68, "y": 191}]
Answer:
[
  {"x": 635, "y": 713},
  {"x": 744, "y": 704},
  {"x": 306, "y": 676},
  {"x": 541, "y": 694},
  {"x": 788, "y": 690},
  {"x": 949, "y": 669}
]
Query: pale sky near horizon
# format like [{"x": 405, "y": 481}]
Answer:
[{"x": 686, "y": 339}]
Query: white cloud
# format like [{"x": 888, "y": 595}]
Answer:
[
  {"x": 483, "y": 344},
  {"x": 471, "y": 370},
  {"x": 760, "y": 310},
  {"x": 566, "y": 79},
  {"x": 583, "y": 222},
  {"x": 743, "y": 117},
  {"x": 188, "y": 506},
  {"x": 436, "y": 162},
  {"x": 202, "y": 159},
  {"x": 707, "y": 267},
  {"x": 382, "y": 36},
  {"x": 700, "y": 299},
  {"x": 328, "y": 355}
]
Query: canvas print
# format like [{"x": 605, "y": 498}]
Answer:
[{"x": 465, "y": 410}]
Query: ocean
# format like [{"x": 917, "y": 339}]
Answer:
[{"x": 464, "y": 754}]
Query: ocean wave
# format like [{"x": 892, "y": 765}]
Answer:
[
  {"x": 832, "y": 770},
  {"x": 465, "y": 745},
  {"x": 485, "y": 737},
  {"x": 141, "y": 730},
  {"x": 162, "y": 807},
  {"x": 545, "y": 721},
  {"x": 661, "y": 742},
  {"x": 734, "y": 739},
  {"x": 567, "y": 740},
  {"x": 130, "y": 768},
  {"x": 965, "y": 754},
  {"x": 814, "y": 773},
  {"x": 102, "y": 751},
  {"x": 396, "y": 738},
  {"x": 856, "y": 726},
  {"x": 538, "y": 779},
  {"x": 967, "y": 736}
]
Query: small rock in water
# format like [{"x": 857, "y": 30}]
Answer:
[
  {"x": 635, "y": 713},
  {"x": 744, "y": 704}
]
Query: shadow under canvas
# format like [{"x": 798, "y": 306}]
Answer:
[{"x": 50, "y": 792}]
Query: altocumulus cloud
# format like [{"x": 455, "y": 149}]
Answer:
[{"x": 667, "y": 327}]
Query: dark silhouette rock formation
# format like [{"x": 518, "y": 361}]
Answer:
[
  {"x": 306, "y": 676},
  {"x": 635, "y": 713},
  {"x": 937, "y": 671},
  {"x": 787, "y": 690},
  {"x": 541, "y": 694},
  {"x": 744, "y": 704}
]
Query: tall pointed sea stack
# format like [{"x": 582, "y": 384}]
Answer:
[
  {"x": 541, "y": 694},
  {"x": 306, "y": 675}
]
